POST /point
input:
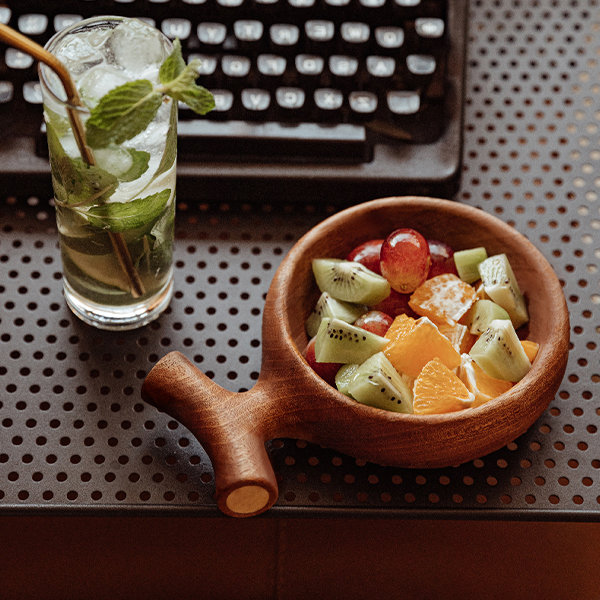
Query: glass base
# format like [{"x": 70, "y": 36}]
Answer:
[{"x": 119, "y": 318}]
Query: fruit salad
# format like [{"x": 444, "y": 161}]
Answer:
[{"x": 410, "y": 325}]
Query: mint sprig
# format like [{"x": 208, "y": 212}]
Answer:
[
  {"x": 179, "y": 82},
  {"x": 128, "y": 109},
  {"x": 122, "y": 113},
  {"x": 75, "y": 182},
  {"x": 170, "y": 153},
  {"x": 124, "y": 216}
]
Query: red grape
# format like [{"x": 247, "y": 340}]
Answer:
[
  {"x": 374, "y": 321},
  {"x": 367, "y": 254},
  {"x": 326, "y": 371},
  {"x": 405, "y": 260},
  {"x": 395, "y": 304},
  {"x": 442, "y": 258}
]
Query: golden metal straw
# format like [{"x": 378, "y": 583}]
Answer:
[{"x": 23, "y": 43}]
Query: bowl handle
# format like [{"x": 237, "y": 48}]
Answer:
[{"x": 228, "y": 427}]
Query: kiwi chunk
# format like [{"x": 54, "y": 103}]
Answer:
[
  {"x": 378, "y": 384},
  {"x": 328, "y": 306},
  {"x": 339, "y": 342},
  {"x": 499, "y": 352},
  {"x": 501, "y": 286},
  {"x": 467, "y": 261},
  {"x": 482, "y": 313},
  {"x": 350, "y": 281},
  {"x": 345, "y": 376}
]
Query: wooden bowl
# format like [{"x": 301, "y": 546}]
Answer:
[{"x": 289, "y": 400}]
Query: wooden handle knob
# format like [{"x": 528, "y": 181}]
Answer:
[{"x": 226, "y": 424}]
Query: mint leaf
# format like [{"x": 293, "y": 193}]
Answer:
[
  {"x": 94, "y": 184},
  {"x": 76, "y": 182},
  {"x": 162, "y": 230},
  {"x": 198, "y": 98},
  {"x": 173, "y": 65},
  {"x": 123, "y": 216},
  {"x": 59, "y": 123},
  {"x": 122, "y": 113},
  {"x": 126, "y": 164},
  {"x": 170, "y": 154},
  {"x": 179, "y": 82},
  {"x": 139, "y": 165}
]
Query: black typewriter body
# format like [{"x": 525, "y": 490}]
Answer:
[{"x": 341, "y": 100}]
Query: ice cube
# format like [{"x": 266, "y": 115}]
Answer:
[
  {"x": 152, "y": 139},
  {"x": 98, "y": 36},
  {"x": 138, "y": 48},
  {"x": 114, "y": 160},
  {"x": 98, "y": 81},
  {"x": 78, "y": 54},
  {"x": 69, "y": 145}
]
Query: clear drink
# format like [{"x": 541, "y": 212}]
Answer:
[{"x": 115, "y": 216}]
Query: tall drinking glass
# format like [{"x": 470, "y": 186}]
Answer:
[{"x": 115, "y": 210}]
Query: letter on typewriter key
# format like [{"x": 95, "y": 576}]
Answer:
[
  {"x": 290, "y": 98},
  {"x": 363, "y": 103},
  {"x": 176, "y": 28},
  {"x": 256, "y": 100},
  {"x": 328, "y": 99},
  {"x": 32, "y": 24},
  {"x": 319, "y": 31},
  {"x": 271, "y": 65},
  {"x": 389, "y": 37},
  {"x": 284, "y": 34},
  {"x": 381, "y": 66},
  {"x": 235, "y": 66},
  {"x": 212, "y": 34}
]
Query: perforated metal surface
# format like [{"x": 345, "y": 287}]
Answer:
[{"x": 74, "y": 434}]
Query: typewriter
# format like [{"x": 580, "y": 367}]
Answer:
[{"x": 316, "y": 100}]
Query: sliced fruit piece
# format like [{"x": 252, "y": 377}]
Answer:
[
  {"x": 374, "y": 321},
  {"x": 411, "y": 350},
  {"x": 460, "y": 336},
  {"x": 325, "y": 370},
  {"x": 443, "y": 298},
  {"x": 345, "y": 376},
  {"x": 377, "y": 384},
  {"x": 501, "y": 286},
  {"x": 367, "y": 254},
  {"x": 400, "y": 326},
  {"x": 480, "y": 292},
  {"x": 395, "y": 304},
  {"x": 405, "y": 260},
  {"x": 531, "y": 349},
  {"x": 481, "y": 314},
  {"x": 442, "y": 258},
  {"x": 339, "y": 342},
  {"x": 499, "y": 352},
  {"x": 328, "y": 306},
  {"x": 479, "y": 383},
  {"x": 438, "y": 390},
  {"x": 467, "y": 262},
  {"x": 102, "y": 267},
  {"x": 349, "y": 281}
]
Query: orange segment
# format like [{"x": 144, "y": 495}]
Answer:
[
  {"x": 531, "y": 349},
  {"x": 438, "y": 390},
  {"x": 445, "y": 297},
  {"x": 459, "y": 335},
  {"x": 410, "y": 351},
  {"x": 479, "y": 383},
  {"x": 400, "y": 326}
]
